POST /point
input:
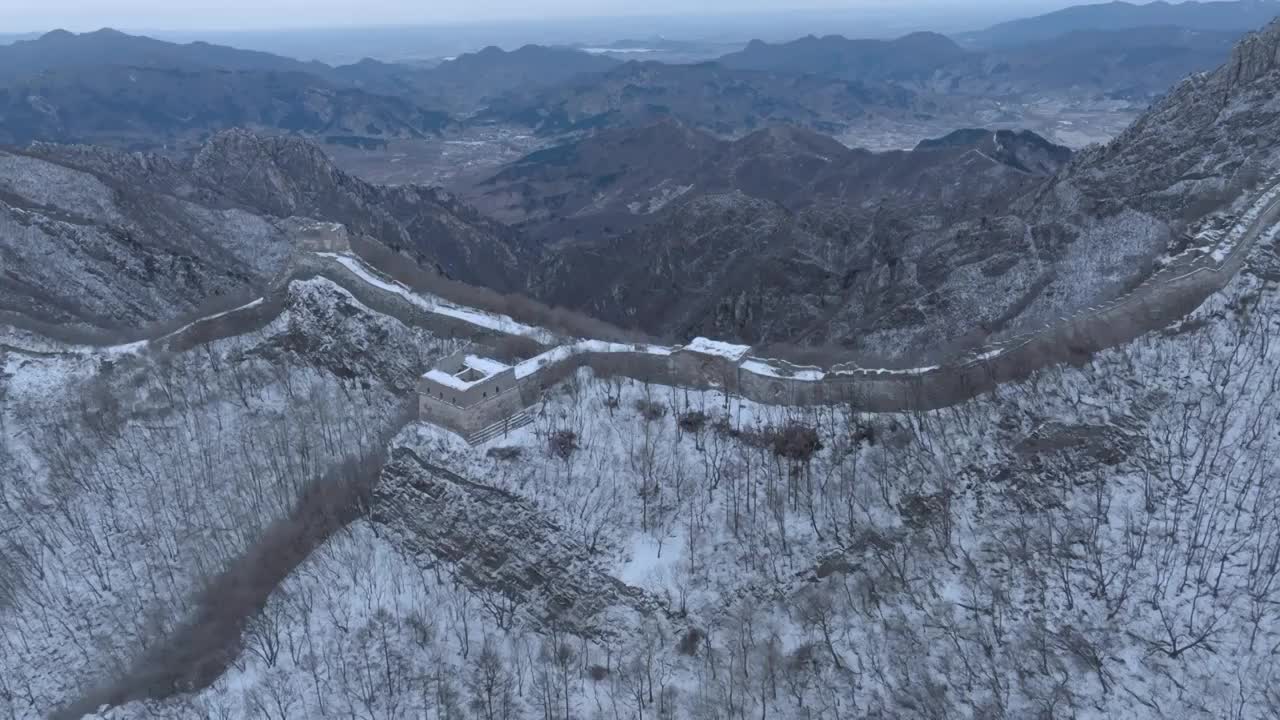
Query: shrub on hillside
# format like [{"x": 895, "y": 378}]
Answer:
[
  {"x": 793, "y": 441},
  {"x": 693, "y": 421},
  {"x": 562, "y": 444},
  {"x": 651, "y": 410},
  {"x": 796, "y": 442}
]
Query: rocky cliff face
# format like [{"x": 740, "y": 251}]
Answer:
[
  {"x": 1208, "y": 131},
  {"x": 1116, "y": 209},
  {"x": 90, "y": 247},
  {"x": 501, "y": 546},
  {"x": 1255, "y": 56}
]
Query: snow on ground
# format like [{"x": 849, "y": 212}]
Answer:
[
  {"x": 652, "y": 561},
  {"x": 561, "y": 353},
  {"x": 779, "y": 369},
  {"x": 1096, "y": 542},
  {"x": 439, "y": 306},
  {"x": 485, "y": 365},
  {"x": 138, "y": 475},
  {"x": 448, "y": 380},
  {"x": 1080, "y": 543},
  {"x": 708, "y": 346}
]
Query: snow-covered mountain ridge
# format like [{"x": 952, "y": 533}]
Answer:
[
  {"x": 1181, "y": 285},
  {"x": 943, "y": 478},
  {"x": 1092, "y": 540},
  {"x": 1081, "y": 540}
]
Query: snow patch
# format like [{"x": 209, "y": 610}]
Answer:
[
  {"x": 485, "y": 365},
  {"x": 432, "y": 304},
  {"x": 650, "y": 561},
  {"x": 765, "y": 368},
  {"x": 707, "y": 346}
]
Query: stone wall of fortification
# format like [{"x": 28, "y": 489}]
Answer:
[
  {"x": 1162, "y": 300},
  {"x": 440, "y": 325},
  {"x": 1153, "y": 305},
  {"x": 468, "y": 420},
  {"x": 1072, "y": 341}
]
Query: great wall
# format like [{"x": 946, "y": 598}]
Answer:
[
  {"x": 491, "y": 402},
  {"x": 202, "y": 648}
]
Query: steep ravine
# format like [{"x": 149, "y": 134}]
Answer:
[{"x": 202, "y": 648}]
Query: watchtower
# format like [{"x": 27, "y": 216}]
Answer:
[
  {"x": 711, "y": 361},
  {"x": 470, "y": 393}
]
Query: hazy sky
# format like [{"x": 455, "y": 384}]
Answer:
[{"x": 80, "y": 15}]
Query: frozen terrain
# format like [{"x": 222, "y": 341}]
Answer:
[
  {"x": 1081, "y": 543},
  {"x": 244, "y": 519}
]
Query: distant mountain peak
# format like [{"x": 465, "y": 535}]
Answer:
[
  {"x": 910, "y": 56},
  {"x": 1213, "y": 15},
  {"x": 243, "y": 148},
  {"x": 793, "y": 139}
]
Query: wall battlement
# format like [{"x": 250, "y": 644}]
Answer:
[
  {"x": 505, "y": 393},
  {"x": 1166, "y": 297}
]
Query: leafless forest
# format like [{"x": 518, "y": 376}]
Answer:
[{"x": 1084, "y": 544}]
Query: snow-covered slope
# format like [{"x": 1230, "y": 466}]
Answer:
[
  {"x": 194, "y": 530},
  {"x": 1096, "y": 542},
  {"x": 130, "y": 480}
]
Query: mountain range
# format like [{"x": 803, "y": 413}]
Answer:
[
  {"x": 1135, "y": 64},
  {"x": 660, "y": 225},
  {"x": 911, "y": 58},
  {"x": 784, "y": 235},
  {"x": 112, "y": 88},
  {"x": 130, "y": 91},
  {"x": 710, "y": 96},
  {"x": 1236, "y": 16},
  {"x": 226, "y": 494}
]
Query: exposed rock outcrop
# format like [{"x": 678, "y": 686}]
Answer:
[{"x": 504, "y": 550}]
